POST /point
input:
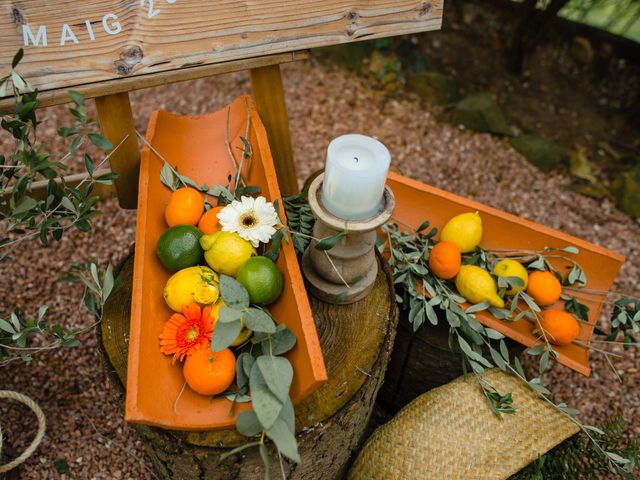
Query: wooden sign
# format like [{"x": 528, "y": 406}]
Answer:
[{"x": 69, "y": 43}]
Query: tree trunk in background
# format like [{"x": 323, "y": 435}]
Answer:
[{"x": 528, "y": 31}]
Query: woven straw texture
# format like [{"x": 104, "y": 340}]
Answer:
[{"x": 450, "y": 433}]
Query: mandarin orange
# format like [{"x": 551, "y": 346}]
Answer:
[
  {"x": 209, "y": 373},
  {"x": 185, "y": 207},
  {"x": 560, "y": 327},
  {"x": 544, "y": 288},
  {"x": 444, "y": 260},
  {"x": 209, "y": 222}
]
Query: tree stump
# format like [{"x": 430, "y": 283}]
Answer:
[
  {"x": 422, "y": 361},
  {"x": 356, "y": 342}
]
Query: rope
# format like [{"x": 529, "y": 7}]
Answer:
[{"x": 19, "y": 397}]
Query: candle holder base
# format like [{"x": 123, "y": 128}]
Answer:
[
  {"x": 345, "y": 273},
  {"x": 332, "y": 292}
]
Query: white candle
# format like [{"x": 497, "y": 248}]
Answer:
[{"x": 355, "y": 176}]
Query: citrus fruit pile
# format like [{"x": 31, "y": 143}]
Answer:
[
  {"x": 505, "y": 277},
  {"x": 196, "y": 251}
]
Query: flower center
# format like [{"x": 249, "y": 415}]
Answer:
[
  {"x": 192, "y": 334},
  {"x": 248, "y": 220}
]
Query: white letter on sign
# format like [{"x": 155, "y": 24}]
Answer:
[
  {"x": 152, "y": 13},
  {"x": 115, "y": 26},
  {"x": 67, "y": 34},
  {"x": 27, "y": 35}
]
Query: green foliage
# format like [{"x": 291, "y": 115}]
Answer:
[
  {"x": 625, "y": 320},
  {"x": 18, "y": 330},
  {"x": 260, "y": 370},
  {"x": 22, "y": 215},
  {"x": 300, "y": 220},
  {"x": 578, "y": 458},
  {"x": 423, "y": 296}
]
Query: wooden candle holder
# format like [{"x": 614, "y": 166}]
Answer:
[{"x": 346, "y": 272}]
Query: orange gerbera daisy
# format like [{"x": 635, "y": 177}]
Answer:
[{"x": 186, "y": 332}]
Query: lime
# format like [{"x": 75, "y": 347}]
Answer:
[
  {"x": 179, "y": 247},
  {"x": 225, "y": 252},
  {"x": 262, "y": 279}
]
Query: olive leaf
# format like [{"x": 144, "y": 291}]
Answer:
[{"x": 330, "y": 242}]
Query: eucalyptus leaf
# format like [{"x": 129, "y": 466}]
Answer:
[
  {"x": 277, "y": 373},
  {"x": 259, "y": 321},
  {"x": 227, "y": 314},
  {"x": 233, "y": 293},
  {"x": 248, "y": 424},
  {"x": 224, "y": 334},
  {"x": 236, "y": 397},
  {"x": 288, "y": 414},
  {"x": 265, "y": 403},
  {"x": 282, "y": 341},
  {"x": 285, "y": 440}
]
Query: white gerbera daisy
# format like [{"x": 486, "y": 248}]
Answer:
[{"x": 253, "y": 219}]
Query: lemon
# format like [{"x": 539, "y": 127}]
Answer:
[
  {"x": 262, "y": 278},
  {"x": 512, "y": 268},
  {"x": 225, "y": 252},
  {"x": 477, "y": 286},
  {"x": 245, "y": 332},
  {"x": 191, "y": 285},
  {"x": 465, "y": 230}
]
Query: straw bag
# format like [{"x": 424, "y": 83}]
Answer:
[{"x": 450, "y": 433}]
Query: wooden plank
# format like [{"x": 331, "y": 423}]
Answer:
[
  {"x": 92, "y": 90},
  {"x": 95, "y": 41},
  {"x": 116, "y": 121},
  {"x": 266, "y": 84},
  {"x": 39, "y": 188}
]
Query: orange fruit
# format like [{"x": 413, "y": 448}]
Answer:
[
  {"x": 544, "y": 288},
  {"x": 209, "y": 373},
  {"x": 560, "y": 327},
  {"x": 185, "y": 207},
  {"x": 209, "y": 222},
  {"x": 444, "y": 260}
]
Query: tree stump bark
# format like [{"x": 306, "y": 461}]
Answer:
[
  {"x": 356, "y": 342},
  {"x": 422, "y": 361}
]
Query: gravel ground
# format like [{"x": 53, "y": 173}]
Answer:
[{"x": 87, "y": 430}]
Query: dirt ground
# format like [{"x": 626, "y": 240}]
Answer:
[{"x": 86, "y": 429}]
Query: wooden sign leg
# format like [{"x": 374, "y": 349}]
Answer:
[
  {"x": 116, "y": 121},
  {"x": 266, "y": 84}
]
